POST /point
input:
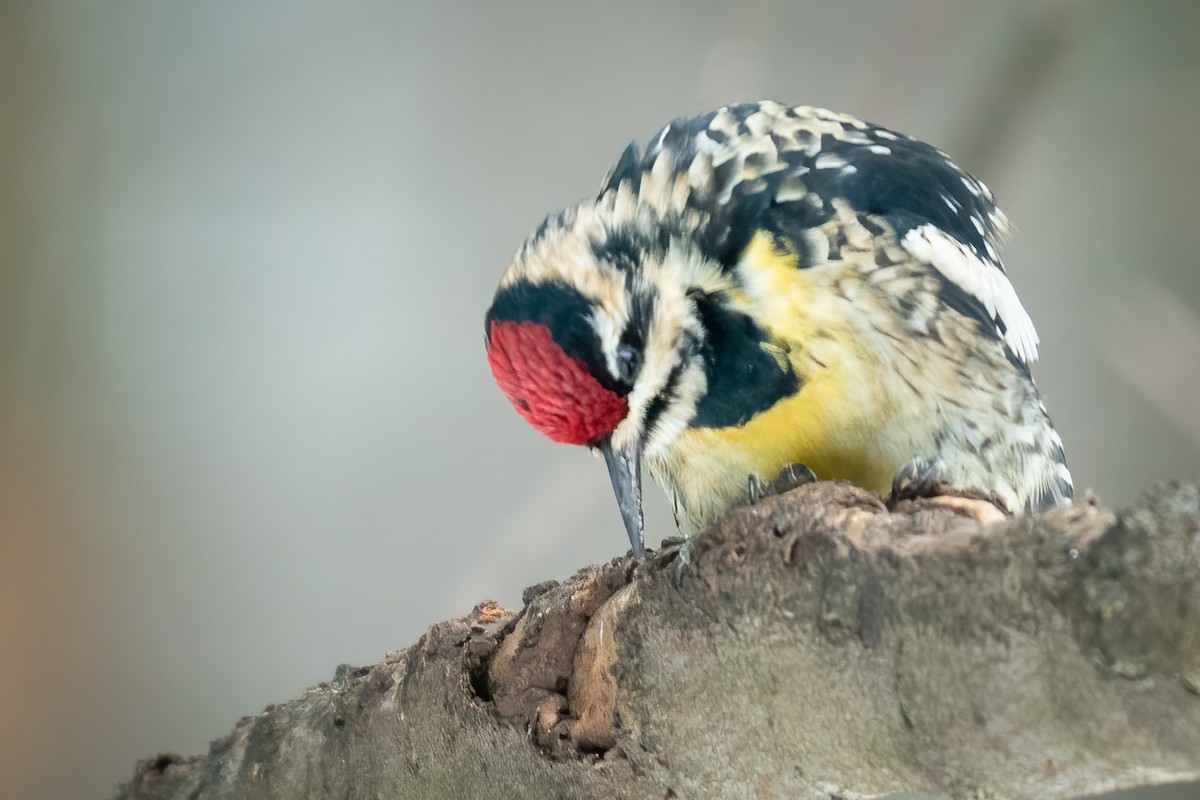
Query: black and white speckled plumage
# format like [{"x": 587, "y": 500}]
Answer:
[
  {"x": 804, "y": 287},
  {"x": 764, "y": 166}
]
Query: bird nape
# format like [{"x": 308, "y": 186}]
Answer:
[{"x": 767, "y": 295}]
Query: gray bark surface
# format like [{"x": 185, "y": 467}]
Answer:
[{"x": 816, "y": 645}]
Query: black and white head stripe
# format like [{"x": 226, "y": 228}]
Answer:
[{"x": 765, "y": 166}]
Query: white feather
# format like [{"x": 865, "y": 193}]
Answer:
[{"x": 983, "y": 281}]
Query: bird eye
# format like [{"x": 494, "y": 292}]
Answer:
[{"x": 629, "y": 363}]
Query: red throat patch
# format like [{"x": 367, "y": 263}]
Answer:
[{"x": 554, "y": 392}]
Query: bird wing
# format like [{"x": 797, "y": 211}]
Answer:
[{"x": 761, "y": 166}]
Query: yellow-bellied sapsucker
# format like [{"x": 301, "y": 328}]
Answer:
[{"x": 767, "y": 295}]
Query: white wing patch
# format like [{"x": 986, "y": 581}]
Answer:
[
  {"x": 714, "y": 161},
  {"x": 986, "y": 282}
]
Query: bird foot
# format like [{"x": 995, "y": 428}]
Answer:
[
  {"x": 675, "y": 552},
  {"x": 921, "y": 479},
  {"x": 790, "y": 477}
]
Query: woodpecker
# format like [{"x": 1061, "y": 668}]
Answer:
[{"x": 767, "y": 295}]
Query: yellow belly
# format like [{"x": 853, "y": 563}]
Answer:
[
  {"x": 841, "y": 424},
  {"x": 817, "y": 427}
]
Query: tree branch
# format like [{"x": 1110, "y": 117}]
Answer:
[{"x": 815, "y": 646}]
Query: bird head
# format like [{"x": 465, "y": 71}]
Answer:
[{"x": 594, "y": 337}]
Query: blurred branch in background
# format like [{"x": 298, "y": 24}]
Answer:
[
  {"x": 1154, "y": 342},
  {"x": 1002, "y": 100}
]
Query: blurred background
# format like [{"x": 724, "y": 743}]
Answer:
[{"x": 247, "y": 429}]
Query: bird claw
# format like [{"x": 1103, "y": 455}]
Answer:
[
  {"x": 670, "y": 548},
  {"x": 928, "y": 479},
  {"x": 790, "y": 477},
  {"x": 919, "y": 478},
  {"x": 675, "y": 552}
]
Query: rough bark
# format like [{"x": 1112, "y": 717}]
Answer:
[{"x": 815, "y": 646}]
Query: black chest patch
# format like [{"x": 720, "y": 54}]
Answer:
[{"x": 743, "y": 378}]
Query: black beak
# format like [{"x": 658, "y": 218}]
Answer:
[{"x": 625, "y": 470}]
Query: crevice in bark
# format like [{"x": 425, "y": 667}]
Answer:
[{"x": 541, "y": 676}]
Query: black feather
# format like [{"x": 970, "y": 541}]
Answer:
[{"x": 743, "y": 378}]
